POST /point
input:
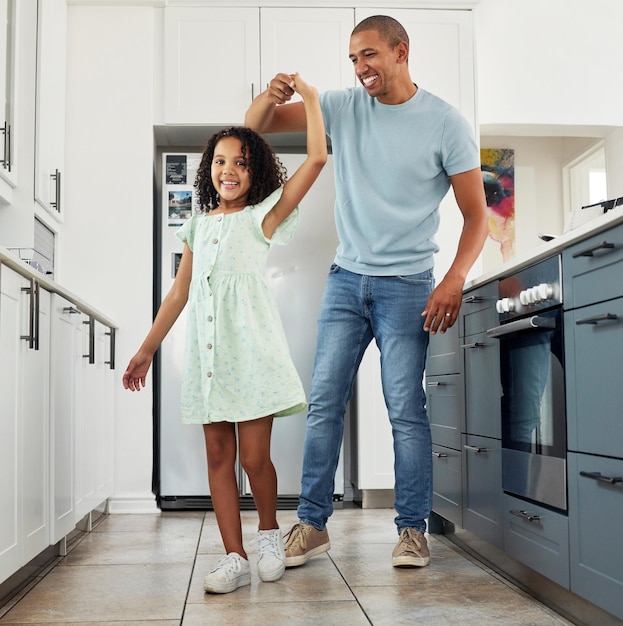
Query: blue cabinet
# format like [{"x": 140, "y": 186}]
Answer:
[{"x": 595, "y": 506}]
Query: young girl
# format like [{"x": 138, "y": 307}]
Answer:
[{"x": 238, "y": 371}]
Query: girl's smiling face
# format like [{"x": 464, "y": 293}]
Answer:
[{"x": 230, "y": 175}]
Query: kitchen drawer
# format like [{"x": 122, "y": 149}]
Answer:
[
  {"x": 443, "y": 353},
  {"x": 592, "y": 269},
  {"x": 596, "y": 549},
  {"x": 478, "y": 309},
  {"x": 447, "y": 497},
  {"x": 444, "y": 402},
  {"x": 483, "y": 389},
  {"x": 538, "y": 538},
  {"x": 594, "y": 362},
  {"x": 482, "y": 488}
]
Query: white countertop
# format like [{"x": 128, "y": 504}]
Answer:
[
  {"x": 555, "y": 246},
  {"x": 11, "y": 260}
]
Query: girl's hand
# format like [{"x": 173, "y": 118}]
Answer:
[
  {"x": 301, "y": 87},
  {"x": 135, "y": 373}
]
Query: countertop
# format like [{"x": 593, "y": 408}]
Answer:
[
  {"x": 545, "y": 250},
  {"x": 11, "y": 260}
]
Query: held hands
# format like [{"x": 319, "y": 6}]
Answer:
[
  {"x": 135, "y": 373},
  {"x": 284, "y": 86},
  {"x": 443, "y": 305}
]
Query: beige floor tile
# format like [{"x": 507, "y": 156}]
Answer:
[
  {"x": 317, "y": 580},
  {"x": 105, "y": 593},
  {"x": 345, "y": 613},
  {"x": 156, "y": 522}
]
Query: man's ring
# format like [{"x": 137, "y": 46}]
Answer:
[{"x": 448, "y": 314}]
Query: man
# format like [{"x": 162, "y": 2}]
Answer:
[{"x": 397, "y": 149}]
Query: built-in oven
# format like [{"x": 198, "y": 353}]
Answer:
[{"x": 530, "y": 332}]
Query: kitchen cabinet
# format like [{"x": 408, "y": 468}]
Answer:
[
  {"x": 200, "y": 89},
  {"x": 93, "y": 420},
  {"x": 66, "y": 361},
  {"x": 17, "y": 115},
  {"x": 593, "y": 336},
  {"x": 445, "y": 405},
  {"x": 595, "y": 505},
  {"x": 481, "y": 356},
  {"x": 50, "y": 105},
  {"x": 482, "y": 488},
  {"x": 537, "y": 537},
  {"x": 24, "y": 393}
]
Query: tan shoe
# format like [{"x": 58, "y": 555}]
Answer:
[
  {"x": 303, "y": 542},
  {"x": 411, "y": 549}
]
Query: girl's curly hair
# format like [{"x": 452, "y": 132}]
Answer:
[{"x": 266, "y": 171}]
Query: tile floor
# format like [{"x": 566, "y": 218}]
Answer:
[{"x": 148, "y": 570}]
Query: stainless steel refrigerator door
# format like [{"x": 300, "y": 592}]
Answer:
[{"x": 296, "y": 275}]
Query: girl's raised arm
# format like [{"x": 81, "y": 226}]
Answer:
[{"x": 299, "y": 183}]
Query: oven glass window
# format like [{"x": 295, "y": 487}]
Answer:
[{"x": 533, "y": 400}]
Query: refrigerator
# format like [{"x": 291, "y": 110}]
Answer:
[{"x": 296, "y": 275}]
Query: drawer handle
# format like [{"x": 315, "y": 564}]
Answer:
[
  {"x": 436, "y": 383},
  {"x": 605, "y": 317},
  {"x": 476, "y": 344},
  {"x": 440, "y": 455},
  {"x": 611, "y": 480},
  {"x": 475, "y": 449},
  {"x": 531, "y": 517},
  {"x": 71, "y": 310},
  {"x": 604, "y": 245},
  {"x": 474, "y": 299}
]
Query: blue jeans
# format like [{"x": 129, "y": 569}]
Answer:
[{"x": 355, "y": 309}]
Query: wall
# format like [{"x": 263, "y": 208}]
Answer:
[
  {"x": 105, "y": 246},
  {"x": 538, "y": 189}
]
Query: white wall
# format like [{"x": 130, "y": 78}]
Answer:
[
  {"x": 550, "y": 62},
  {"x": 614, "y": 162},
  {"x": 105, "y": 245}
]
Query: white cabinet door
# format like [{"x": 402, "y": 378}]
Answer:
[
  {"x": 211, "y": 64},
  {"x": 24, "y": 402},
  {"x": 93, "y": 422},
  {"x": 10, "y": 331},
  {"x": 35, "y": 418},
  {"x": 313, "y": 42},
  {"x": 50, "y": 104},
  {"x": 441, "y": 53},
  {"x": 66, "y": 360}
]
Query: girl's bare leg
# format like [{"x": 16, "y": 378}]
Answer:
[
  {"x": 220, "y": 441},
  {"x": 254, "y": 453}
]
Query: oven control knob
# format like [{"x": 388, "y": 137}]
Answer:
[
  {"x": 545, "y": 291},
  {"x": 505, "y": 305},
  {"x": 534, "y": 295},
  {"x": 524, "y": 297}
]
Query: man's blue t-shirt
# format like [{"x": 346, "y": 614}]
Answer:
[{"x": 392, "y": 166}]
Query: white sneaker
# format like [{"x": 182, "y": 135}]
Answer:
[
  {"x": 272, "y": 561},
  {"x": 231, "y": 572}
]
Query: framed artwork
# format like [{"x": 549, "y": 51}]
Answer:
[{"x": 498, "y": 176}]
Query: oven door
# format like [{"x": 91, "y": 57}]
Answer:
[{"x": 534, "y": 441}]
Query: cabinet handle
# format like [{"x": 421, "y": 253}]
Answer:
[
  {"x": 6, "y": 158},
  {"x": 604, "y": 245},
  {"x": 611, "y": 480},
  {"x": 91, "y": 354},
  {"x": 474, "y": 299},
  {"x": 476, "y": 344},
  {"x": 605, "y": 317},
  {"x": 111, "y": 363},
  {"x": 440, "y": 455},
  {"x": 71, "y": 310},
  {"x": 57, "y": 191},
  {"x": 36, "y": 317},
  {"x": 435, "y": 383},
  {"x": 525, "y": 515},
  {"x": 475, "y": 449},
  {"x": 30, "y": 337}
]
